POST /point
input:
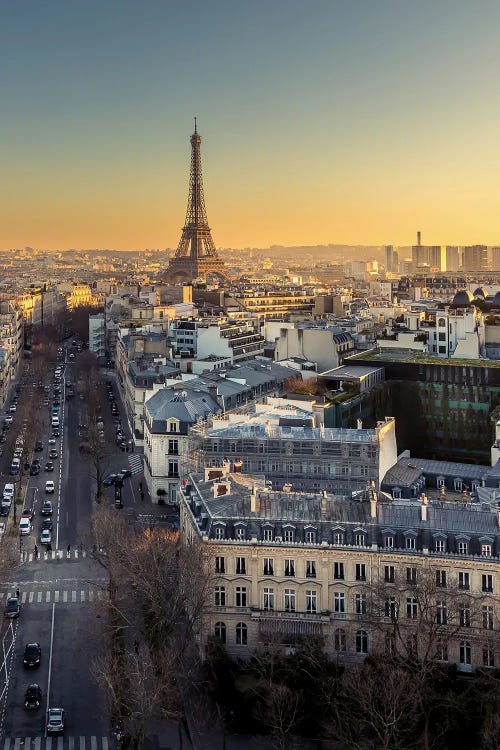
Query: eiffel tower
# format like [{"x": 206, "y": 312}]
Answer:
[{"x": 196, "y": 255}]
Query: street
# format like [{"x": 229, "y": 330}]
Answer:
[{"x": 60, "y": 592}]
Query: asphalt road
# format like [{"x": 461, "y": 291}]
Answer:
[{"x": 60, "y": 599}]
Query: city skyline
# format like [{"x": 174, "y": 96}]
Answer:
[{"x": 321, "y": 124}]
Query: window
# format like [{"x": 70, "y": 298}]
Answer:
[
  {"x": 220, "y": 631},
  {"x": 441, "y": 579},
  {"x": 361, "y": 642},
  {"x": 241, "y": 596},
  {"x": 391, "y": 608},
  {"x": 412, "y": 645},
  {"x": 487, "y": 583},
  {"x": 465, "y": 652},
  {"x": 241, "y": 566},
  {"x": 219, "y": 532},
  {"x": 267, "y": 535},
  {"x": 173, "y": 447},
  {"x": 442, "y": 650},
  {"x": 360, "y": 604},
  {"x": 486, "y": 550},
  {"x": 289, "y": 600},
  {"x": 487, "y": 611},
  {"x": 488, "y": 655},
  {"x": 463, "y": 581},
  {"x": 339, "y": 602},
  {"x": 360, "y": 572},
  {"x": 268, "y": 599},
  {"x": 241, "y": 634},
  {"x": 389, "y": 541},
  {"x": 173, "y": 426},
  {"x": 389, "y": 574},
  {"x": 339, "y": 640},
  {"x": 268, "y": 566},
  {"x": 311, "y": 601},
  {"x": 440, "y": 545},
  {"x": 360, "y": 539},
  {"x": 289, "y": 535},
  {"x": 411, "y": 575},
  {"x": 310, "y": 537},
  {"x": 463, "y": 548},
  {"x": 411, "y": 607},
  {"x": 410, "y": 542},
  {"x": 310, "y": 569},
  {"x": 441, "y": 612},
  {"x": 220, "y": 564},
  {"x": 442, "y": 336},
  {"x": 220, "y": 596},
  {"x": 338, "y": 537},
  {"x": 464, "y": 615},
  {"x": 173, "y": 468},
  {"x": 241, "y": 532},
  {"x": 289, "y": 567},
  {"x": 338, "y": 571}
]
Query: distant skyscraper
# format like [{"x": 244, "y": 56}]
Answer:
[
  {"x": 475, "y": 258},
  {"x": 395, "y": 262},
  {"x": 419, "y": 238},
  {"x": 495, "y": 258},
  {"x": 196, "y": 255},
  {"x": 452, "y": 258},
  {"x": 389, "y": 258},
  {"x": 427, "y": 255}
]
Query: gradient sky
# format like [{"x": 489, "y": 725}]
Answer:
[{"x": 323, "y": 121}]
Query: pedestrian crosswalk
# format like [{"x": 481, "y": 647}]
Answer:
[
  {"x": 135, "y": 462},
  {"x": 57, "y": 596},
  {"x": 58, "y": 743},
  {"x": 55, "y": 554}
]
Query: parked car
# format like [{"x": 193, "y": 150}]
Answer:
[
  {"x": 32, "y": 655},
  {"x": 8, "y": 490},
  {"x": 28, "y": 513},
  {"x": 124, "y": 473},
  {"x": 109, "y": 480}
]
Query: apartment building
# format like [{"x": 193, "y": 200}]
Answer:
[
  {"x": 368, "y": 575},
  {"x": 291, "y": 446},
  {"x": 11, "y": 345},
  {"x": 97, "y": 336}
]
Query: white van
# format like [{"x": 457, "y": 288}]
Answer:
[
  {"x": 55, "y": 421},
  {"x": 25, "y": 526},
  {"x": 8, "y": 490}
]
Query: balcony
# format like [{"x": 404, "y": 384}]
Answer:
[{"x": 270, "y": 614}]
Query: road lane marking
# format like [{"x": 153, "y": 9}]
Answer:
[
  {"x": 65, "y": 596},
  {"x": 60, "y": 741},
  {"x": 93, "y": 743},
  {"x": 82, "y": 596},
  {"x": 71, "y": 743},
  {"x": 82, "y": 743},
  {"x": 47, "y": 597},
  {"x": 32, "y": 594},
  {"x": 50, "y": 661},
  {"x": 23, "y": 598},
  {"x": 6, "y": 744},
  {"x": 39, "y": 597},
  {"x": 17, "y": 742},
  {"x": 73, "y": 596},
  {"x": 56, "y": 596}
]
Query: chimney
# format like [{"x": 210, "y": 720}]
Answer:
[
  {"x": 324, "y": 496},
  {"x": 360, "y": 424},
  {"x": 318, "y": 410},
  {"x": 423, "y": 506},
  {"x": 254, "y": 501},
  {"x": 237, "y": 465},
  {"x": 373, "y": 500}
]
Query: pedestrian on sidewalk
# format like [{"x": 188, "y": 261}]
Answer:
[
  {"x": 17, "y": 592},
  {"x": 140, "y": 486},
  {"x": 36, "y": 551},
  {"x": 68, "y": 551}
]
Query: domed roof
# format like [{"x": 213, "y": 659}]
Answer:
[
  {"x": 462, "y": 298},
  {"x": 480, "y": 292},
  {"x": 496, "y": 300}
]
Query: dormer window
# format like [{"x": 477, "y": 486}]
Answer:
[
  {"x": 219, "y": 532},
  {"x": 338, "y": 536},
  {"x": 289, "y": 534},
  {"x": 241, "y": 532},
  {"x": 360, "y": 538},
  {"x": 310, "y": 536}
]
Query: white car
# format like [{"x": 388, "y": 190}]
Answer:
[
  {"x": 8, "y": 419},
  {"x": 2, "y": 529},
  {"x": 55, "y": 421},
  {"x": 8, "y": 491},
  {"x": 52, "y": 441},
  {"x": 46, "y": 536},
  {"x": 24, "y": 526},
  {"x": 49, "y": 486}
]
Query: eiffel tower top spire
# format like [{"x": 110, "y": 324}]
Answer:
[{"x": 196, "y": 254}]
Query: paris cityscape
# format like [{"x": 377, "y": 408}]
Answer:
[{"x": 249, "y": 375}]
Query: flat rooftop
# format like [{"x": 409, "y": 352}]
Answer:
[{"x": 410, "y": 356}]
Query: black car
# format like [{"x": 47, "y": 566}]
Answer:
[
  {"x": 38, "y": 446},
  {"x": 49, "y": 466},
  {"x": 53, "y": 453},
  {"x": 32, "y": 655},
  {"x": 124, "y": 474},
  {"x": 47, "y": 524},
  {"x": 34, "y": 469},
  {"x": 109, "y": 480},
  {"x": 33, "y": 697},
  {"x": 12, "y": 608}
]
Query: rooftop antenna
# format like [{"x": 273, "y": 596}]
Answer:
[{"x": 195, "y": 130}]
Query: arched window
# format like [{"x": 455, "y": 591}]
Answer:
[
  {"x": 339, "y": 641},
  {"x": 220, "y": 631},
  {"x": 241, "y": 634},
  {"x": 361, "y": 642}
]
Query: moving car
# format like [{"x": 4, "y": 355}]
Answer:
[
  {"x": 24, "y": 526},
  {"x": 32, "y": 655},
  {"x": 28, "y": 513},
  {"x": 109, "y": 480},
  {"x": 53, "y": 453},
  {"x": 52, "y": 440},
  {"x": 47, "y": 524},
  {"x": 46, "y": 508},
  {"x": 55, "y": 422},
  {"x": 34, "y": 469},
  {"x": 46, "y": 536},
  {"x": 12, "y": 608},
  {"x": 33, "y": 697},
  {"x": 49, "y": 466},
  {"x": 15, "y": 466},
  {"x": 55, "y": 720},
  {"x": 49, "y": 486}
]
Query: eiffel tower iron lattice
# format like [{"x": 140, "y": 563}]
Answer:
[{"x": 196, "y": 255}]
